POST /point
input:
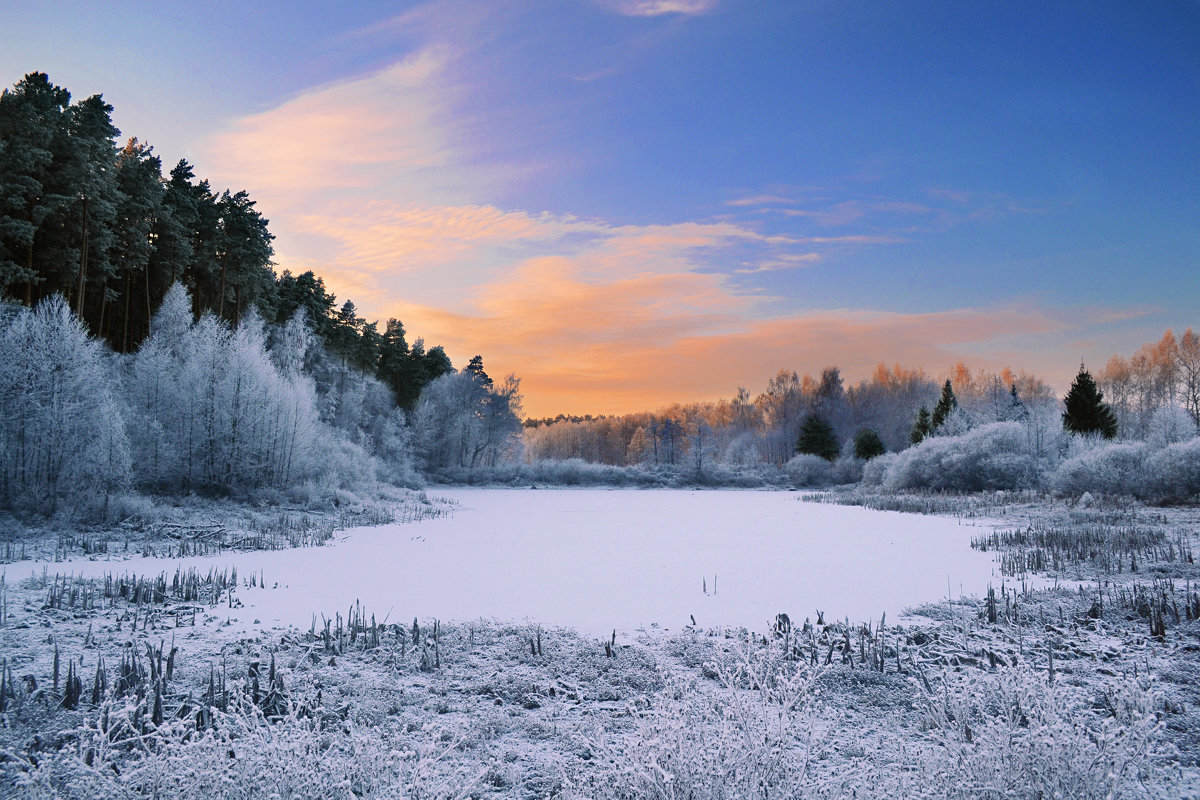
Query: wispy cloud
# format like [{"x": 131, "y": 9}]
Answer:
[
  {"x": 783, "y": 262},
  {"x": 658, "y": 8},
  {"x": 759, "y": 200},
  {"x": 348, "y": 135}
]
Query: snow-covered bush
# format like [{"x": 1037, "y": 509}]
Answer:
[
  {"x": 1109, "y": 469},
  {"x": 62, "y": 439},
  {"x": 242, "y": 756},
  {"x": 808, "y": 470},
  {"x": 876, "y": 470},
  {"x": 1167, "y": 469},
  {"x": 848, "y": 469},
  {"x": 1174, "y": 471},
  {"x": 751, "y": 739},
  {"x": 993, "y": 456},
  {"x": 1017, "y": 736}
]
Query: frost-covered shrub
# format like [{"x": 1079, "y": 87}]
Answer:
[
  {"x": 1148, "y": 471},
  {"x": 1174, "y": 471},
  {"x": 876, "y": 470},
  {"x": 1110, "y": 469},
  {"x": 806, "y": 469},
  {"x": 743, "y": 449},
  {"x": 848, "y": 469},
  {"x": 1018, "y": 736},
  {"x": 243, "y": 756},
  {"x": 342, "y": 463},
  {"x": 750, "y": 740},
  {"x": 994, "y": 456}
]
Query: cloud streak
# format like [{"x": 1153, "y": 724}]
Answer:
[{"x": 658, "y": 8}]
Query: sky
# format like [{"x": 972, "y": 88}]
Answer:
[{"x": 630, "y": 203}]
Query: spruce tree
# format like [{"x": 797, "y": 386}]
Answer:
[
  {"x": 1016, "y": 408},
  {"x": 867, "y": 445},
  {"x": 1086, "y": 411},
  {"x": 945, "y": 405},
  {"x": 921, "y": 427},
  {"x": 817, "y": 438}
]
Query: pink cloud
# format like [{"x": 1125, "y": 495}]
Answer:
[{"x": 345, "y": 135}]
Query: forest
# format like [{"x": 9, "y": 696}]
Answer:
[{"x": 147, "y": 344}]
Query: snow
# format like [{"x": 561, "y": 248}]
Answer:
[{"x": 599, "y": 559}]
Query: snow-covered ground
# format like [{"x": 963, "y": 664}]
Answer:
[{"x": 598, "y": 559}]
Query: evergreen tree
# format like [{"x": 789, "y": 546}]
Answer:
[
  {"x": 945, "y": 406},
  {"x": 89, "y": 220},
  {"x": 434, "y": 363},
  {"x": 244, "y": 253},
  {"x": 306, "y": 291},
  {"x": 1086, "y": 411},
  {"x": 817, "y": 438},
  {"x": 1016, "y": 407},
  {"x": 366, "y": 352},
  {"x": 33, "y": 114},
  {"x": 921, "y": 428},
  {"x": 868, "y": 445},
  {"x": 139, "y": 177},
  {"x": 475, "y": 367}
]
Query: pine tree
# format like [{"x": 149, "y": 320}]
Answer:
[
  {"x": 33, "y": 116},
  {"x": 945, "y": 405},
  {"x": 1086, "y": 411},
  {"x": 868, "y": 445},
  {"x": 475, "y": 367},
  {"x": 921, "y": 428},
  {"x": 817, "y": 438}
]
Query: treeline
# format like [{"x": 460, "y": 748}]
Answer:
[
  {"x": 258, "y": 411},
  {"x": 901, "y": 430},
  {"x": 766, "y": 428}
]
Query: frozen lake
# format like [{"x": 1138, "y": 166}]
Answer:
[{"x": 598, "y": 559}]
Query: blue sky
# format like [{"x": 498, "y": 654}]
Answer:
[{"x": 598, "y": 194}]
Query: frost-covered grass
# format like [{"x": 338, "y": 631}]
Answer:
[
  {"x": 518, "y": 711},
  {"x": 177, "y": 527}
]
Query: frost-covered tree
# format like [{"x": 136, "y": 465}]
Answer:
[
  {"x": 211, "y": 410},
  {"x": 639, "y": 450},
  {"x": 464, "y": 420},
  {"x": 1169, "y": 425},
  {"x": 1189, "y": 373},
  {"x": 61, "y": 435},
  {"x": 1085, "y": 409},
  {"x": 702, "y": 446}
]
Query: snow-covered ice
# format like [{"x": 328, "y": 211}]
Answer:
[{"x": 598, "y": 559}]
